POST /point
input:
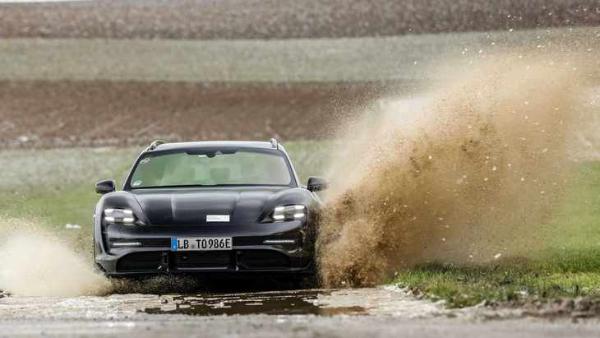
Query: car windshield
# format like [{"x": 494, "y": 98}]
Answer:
[{"x": 215, "y": 168}]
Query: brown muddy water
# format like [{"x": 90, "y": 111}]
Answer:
[{"x": 302, "y": 302}]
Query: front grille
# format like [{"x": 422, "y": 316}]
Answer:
[
  {"x": 139, "y": 262},
  {"x": 199, "y": 259},
  {"x": 263, "y": 259}
]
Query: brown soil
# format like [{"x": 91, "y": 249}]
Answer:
[
  {"x": 49, "y": 114},
  {"x": 265, "y": 19}
]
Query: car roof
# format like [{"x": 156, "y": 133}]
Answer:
[{"x": 214, "y": 144}]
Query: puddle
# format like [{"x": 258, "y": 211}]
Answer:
[
  {"x": 301, "y": 302},
  {"x": 380, "y": 301}
]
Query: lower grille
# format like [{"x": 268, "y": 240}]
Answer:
[
  {"x": 139, "y": 262},
  {"x": 152, "y": 261},
  {"x": 208, "y": 259},
  {"x": 263, "y": 259}
]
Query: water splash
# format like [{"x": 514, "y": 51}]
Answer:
[{"x": 34, "y": 262}]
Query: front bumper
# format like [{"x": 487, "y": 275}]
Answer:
[{"x": 252, "y": 251}]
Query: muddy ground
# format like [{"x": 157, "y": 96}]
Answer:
[{"x": 378, "y": 312}]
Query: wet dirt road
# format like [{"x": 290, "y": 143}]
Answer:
[{"x": 376, "y": 312}]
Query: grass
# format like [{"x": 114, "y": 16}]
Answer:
[
  {"x": 553, "y": 277},
  {"x": 569, "y": 266},
  {"x": 55, "y": 187}
]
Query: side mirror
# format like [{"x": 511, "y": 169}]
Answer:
[
  {"x": 316, "y": 184},
  {"x": 104, "y": 187}
]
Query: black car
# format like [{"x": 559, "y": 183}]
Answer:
[{"x": 198, "y": 207}]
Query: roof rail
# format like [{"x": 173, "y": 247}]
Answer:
[
  {"x": 274, "y": 143},
  {"x": 155, "y": 144}
]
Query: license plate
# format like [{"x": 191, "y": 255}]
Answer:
[{"x": 201, "y": 243}]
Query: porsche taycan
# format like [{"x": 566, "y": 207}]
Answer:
[{"x": 203, "y": 207}]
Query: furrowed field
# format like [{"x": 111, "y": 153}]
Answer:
[{"x": 92, "y": 92}]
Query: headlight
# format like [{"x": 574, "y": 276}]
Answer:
[
  {"x": 288, "y": 213},
  {"x": 119, "y": 216}
]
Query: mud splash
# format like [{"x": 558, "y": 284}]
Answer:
[
  {"x": 468, "y": 173},
  {"x": 36, "y": 263}
]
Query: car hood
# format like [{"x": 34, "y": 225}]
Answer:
[{"x": 193, "y": 206}]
